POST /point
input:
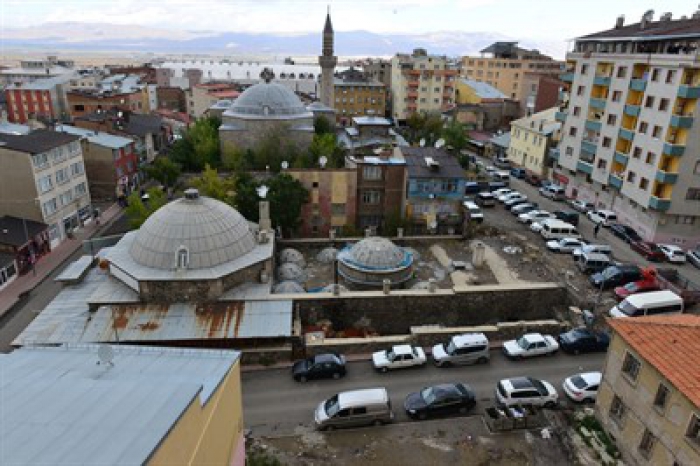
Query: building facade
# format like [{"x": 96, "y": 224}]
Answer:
[
  {"x": 31, "y": 70},
  {"x": 648, "y": 398},
  {"x": 357, "y": 95},
  {"x": 531, "y": 139},
  {"x": 421, "y": 83},
  {"x": 630, "y": 139},
  {"x": 201, "y": 97},
  {"x": 41, "y": 99},
  {"x": 378, "y": 70},
  {"x": 327, "y": 61}
]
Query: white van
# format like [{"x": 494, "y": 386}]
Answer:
[
  {"x": 501, "y": 176},
  {"x": 554, "y": 192},
  {"x": 648, "y": 304},
  {"x": 469, "y": 348},
  {"x": 370, "y": 406},
  {"x": 558, "y": 230},
  {"x": 473, "y": 212}
]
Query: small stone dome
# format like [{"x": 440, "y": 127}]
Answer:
[
  {"x": 290, "y": 271},
  {"x": 421, "y": 285},
  {"x": 376, "y": 253},
  {"x": 327, "y": 255},
  {"x": 291, "y": 255},
  {"x": 288, "y": 286},
  {"x": 329, "y": 288},
  {"x": 268, "y": 100},
  {"x": 194, "y": 233}
]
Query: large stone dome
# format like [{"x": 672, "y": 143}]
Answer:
[
  {"x": 376, "y": 253},
  {"x": 268, "y": 101},
  {"x": 211, "y": 232}
]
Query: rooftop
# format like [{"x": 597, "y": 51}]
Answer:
[
  {"x": 484, "y": 90},
  {"x": 542, "y": 122},
  {"x": 662, "y": 29},
  {"x": 12, "y": 230},
  {"x": 61, "y": 407},
  {"x": 36, "y": 142},
  {"x": 95, "y": 137},
  {"x": 268, "y": 100},
  {"x": 417, "y": 159},
  {"x": 669, "y": 344}
]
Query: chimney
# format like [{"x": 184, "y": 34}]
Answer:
[
  {"x": 646, "y": 19},
  {"x": 666, "y": 17},
  {"x": 265, "y": 223},
  {"x": 620, "y": 22}
]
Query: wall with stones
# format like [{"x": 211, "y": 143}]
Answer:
[{"x": 252, "y": 132}]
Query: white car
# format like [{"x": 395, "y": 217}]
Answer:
[
  {"x": 526, "y": 391},
  {"x": 502, "y": 191},
  {"x": 565, "y": 244},
  {"x": 536, "y": 227},
  {"x": 673, "y": 253},
  {"x": 582, "y": 206},
  {"x": 510, "y": 195},
  {"x": 605, "y": 217},
  {"x": 530, "y": 344},
  {"x": 398, "y": 357},
  {"x": 534, "y": 216},
  {"x": 523, "y": 208},
  {"x": 591, "y": 248},
  {"x": 583, "y": 387},
  {"x": 515, "y": 200}
]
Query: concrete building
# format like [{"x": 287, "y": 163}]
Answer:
[
  {"x": 421, "y": 83},
  {"x": 327, "y": 61},
  {"x": 544, "y": 89},
  {"x": 22, "y": 244},
  {"x": 201, "y": 97},
  {"x": 630, "y": 139},
  {"x": 88, "y": 404},
  {"x": 44, "y": 181},
  {"x": 531, "y": 139},
  {"x": 121, "y": 92},
  {"x": 648, "y": 399},
  {"x": 41, "y": 99},
  {"x": 31, "y": 70},
  {"x": 482, "y": 107},
  {"x": 357, "y": 95},
  {"x": 170, "y": 98},
  {"x": 378, "y": 70},
  {"x": 508, "y": 68}
]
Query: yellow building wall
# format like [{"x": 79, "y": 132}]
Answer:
[
  {"x": 18, "y": 188},
  {"x": 465, "y": 94},
  {"x": 358, "y": 101},
  {"x": 525, "y": 152},
  {"x": 209, "y": 434}
]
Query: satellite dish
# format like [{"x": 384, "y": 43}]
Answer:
[
  {"x": 262, "y": 191},
  {"x": 439, "y": 143},
  {"x": 323, "y": 161},
  {"x": 433, "y": 225},
  {"x": 285, "y": 165},
  {"x": 105, "y": 354},
  {"x": 422, "y": 142}
]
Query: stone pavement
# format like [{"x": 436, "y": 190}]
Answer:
[{"x": 47, "y": 264}]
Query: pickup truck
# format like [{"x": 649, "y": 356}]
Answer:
[{"x": 670, "y": 279}]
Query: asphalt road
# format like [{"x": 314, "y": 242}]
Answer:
[{"x": 274, "y": 404}]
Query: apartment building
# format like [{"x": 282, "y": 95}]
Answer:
[
  {"x": 44, "y": 180},
  {"x": 648, "y": 398},
  {"x": 31, "y": 70},
  {"x": 201, "y": 97},
  {"x": 122, "y": 92},
  {"x": 41, "y": 99},
  {"x": 378, "y": 70},
  {"x": 512, "y": 70},
  {"x": 630, "y": 140},
  {"x": 356, "y": 95},
  {"x": 530, "y": 140},
  {"x": 421, "y": 83}
]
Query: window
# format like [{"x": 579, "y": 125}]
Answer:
[
  {"x": 663, "y": 105},
  {"x": 643, "y": 183},
  {"x": 580, "y": 90},
  {"x": 661, "y": 397},
  {"x": 372, "y": 173},
  {"x": 647, "y": 443},
  {"x": 607, "y": 142},
  {"x": 370, "y": 197},
  {"x": 77, "y": 168},
  {"x": 621, "y": 71},
  {"x": 693, "y": 194},
  {"x": 631, "y": 365},
  {"x": 577, "y": 111},
  {"x": 612, "y": 119},
  {"x": 66, "y": 198},
  {"x": 651, "y": 158},
  {"x": 62, "y": 176},
  {"x": 649, "y": 102},
  {"x": 183, "y": 257},
  {"x": 631, "y": 176},
  {"x": 80, "y": 190},
  {"x": 584, "y": 69},
  {"x": 44, "y": 184},
  {"x": 670, "y": 76},
  {"x": 685, "y": 220},
  {"x": 617, "y": 96},
  {"x": 572, "y": 131},
  {"x": 602, "y": 164},
  {"x": 50, "y": 207},
  {"x": 617, "y": 409},
  {"x": 693, "y": 432},
  {"x": 569, "y": 151},
  {"x": 656, "y": 133},
  {"x": 40, "y": 160},
  {"x": 338, "y": 209},
  {"x": 643, "y": 126},
  {"x": 637, "y": 152},
  {"x": 655, "y": 74}
]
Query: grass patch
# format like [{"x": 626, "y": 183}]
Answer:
[{"x": 592, "y": 424}]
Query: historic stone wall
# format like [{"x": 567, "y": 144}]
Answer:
[{"x": 258, "y": 130}]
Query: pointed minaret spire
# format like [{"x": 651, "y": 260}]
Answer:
[
  {"x": 327, "y": 61},
  {"x": 328, "y": 27}
]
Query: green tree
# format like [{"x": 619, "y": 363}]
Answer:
[
  {"x": 139, "y": 210},
  {"x": 416, "y": 124},
  {"x": 246, "y": 197},
  {"x": 287, "y": 195},
  {"x": 199, "y": 145},
  {"x": 212, "y": 185},
  {"x": 455, "y": 136},
  {"x": 164, "y": 171},
  {"x": 322, "y": 125},
  {"x": 393, "y": 221}
]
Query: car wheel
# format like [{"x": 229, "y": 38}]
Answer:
[
  {"x": 576, "y": 351},
  {"x": 553, "y": 353},
  {"x": 444, "y": 364},
  {"x": 377, "y": 422},
  {"x": 384, "y": 370},
  {"x": 422, "y": 416},
  {"x": 336, "y": 375},
  {"x": 463, "y": 410},
  {"x": 302, "y": 378},
  {"x": 550, "y": 404},
  {"x": 482, "y": 360}
]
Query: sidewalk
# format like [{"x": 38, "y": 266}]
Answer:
[{"x": 27, "y": 282}]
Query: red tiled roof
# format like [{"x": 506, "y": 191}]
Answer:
[
  {"x": 229, "y": 93},
  {"x": 669, "y": 343}
]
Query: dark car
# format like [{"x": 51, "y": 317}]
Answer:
[
  {"x": 616, "y": 275},
  {"x": 517, "y": 173},
  {"x": 532, "y": 179},
  {"x": 625, "y": 233},
  {"x": 567, "y": 216},
  {"x": 321, "y": 366},
  {"x": 440, "y": 400},
  {"x": 472, "y": 187},
  {"x": 650, "y": 251},
  {"x": 494, "y": 185},
  {"x": 583, "y": 340}
]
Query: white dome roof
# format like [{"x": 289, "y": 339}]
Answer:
[
  {"x": 212, "y": 233},
  {"x": 376, "y": 253},
  {"x": 268, "y": 100}
]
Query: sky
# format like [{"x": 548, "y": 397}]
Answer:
[{"x": 538, "y": 19}]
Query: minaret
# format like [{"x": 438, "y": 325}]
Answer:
[{"x": 327, "y": 62}]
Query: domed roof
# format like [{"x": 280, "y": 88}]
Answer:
[
  {"x": 293, "y": 256},
  {"x": 268, "y": 100},
  {"x": 376, "y": 253},
  {"x": 288, "y": 286},
  {"x": 206, "y": 231}
]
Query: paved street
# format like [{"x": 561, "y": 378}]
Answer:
[{"x": 274, "y": 404}]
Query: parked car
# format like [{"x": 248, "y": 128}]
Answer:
[
  {"x": 534, "y": 216},
  {"x": 583, "y": 388},
  {"x": 544, "y": 184},
  {"x": 523, "y": 208},
  {"x": 517, "y": 173},
  {"x": 650, "y": 251},
  {"x": 472, "y": 187},
  {"x": 530, "y": 344},
  {"x": 440, "y": 400},
  {"x": 625, "y": 233},
  {"x": 501, "y": 192},
  {"x": 694, "y": 256},
  {"x": 398, "y": 357},
  {"x": 526, "y": 391},
  {"x": 567, "y": 216},
  {"x": 485, "y": 200},
  {"x": 502, "y": 162},
  {"x": 673, "y": 253},
  {"x": 583, "y": 340},
  {"x": 494, "y": 185},
  {"x": 320, "y": 366},
  {"x": 554, "y": 192},
  {"x": 469, "y": 348},
  {"x": 513, "y": 201},
  {"x": 565, "y": 244},
  {"x": 354, "y": 408},
  {"x": 503, "y": 176},
  {"x": 582, "y": 206},
  {"x": 532, "y": 178},
  {"x": 588, "y": 248},
  {"x": 616, "y": 275},
  {"x": 604, "y": 217},
  {"x": 473, "y": 212},
  {"x": 640, "y": 286},
  {"x": 511, "y": 195}
]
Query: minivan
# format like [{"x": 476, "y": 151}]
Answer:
[
  {"x": 558, "y": 230},
  {"x": 554, "y": 192},
  {"x": 485, "y": 199},
  {"x": 501, "y": 176},
  {"x": 468, "y": 348},
  {"x": 473, "y": 212},
  {"x": 353, "y": 408},
  {"x": 592, "y": 262},
  {"x": 647, "y": 304}
]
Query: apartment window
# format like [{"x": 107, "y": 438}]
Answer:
[
  {"x": 663, "y": 105},
  {"x": 617, "y": 96},
  {"x": 370, "y": 197},
  {"x": 693, "y": 194},
  {"x": 577, "y": 111},
  {"x": 696, "y": 170},
  {"x": 631, "y": 365},
  {"x": 661, "y": 397},
  {"x": 607, "y": 142},
  {"x": 372, "y": 173},
  {"x": 80, "y": 190},
  {"x": 643, "y": 184},
  {"x": 651, "y": 158},
  {"x": 647, "y": 443},
  {"x": 643, "y": 126},
  {"x": 44, "y": 184},
  {"x": 617, "y": 409},
  {"x": 437, "y": 101},
  {"x": 637, "y": 152},
  {"x": 649, "y": 102},
  {"x": 584, "y": 69},
  {"x": 66, "y": 198},
  {"x": 569, "y": 151},
  {"x": 40, "y": 160},
  {"x": 50, "y": 207},
  {"x": 59, "y": 155},
  {"x": 602, "y": 164},
  {"x": 572, "y": 131},
  {"x": 670, "y": 76},
  {"x": 436, "y": 89},
  {"x": 685, "y": 220},
  {"x": 631, "y": 176},
  {"x": 422, "y": 100},
  {"x": 62, "y": 176},
  {"x": 693, "y": 432},
  {"x": 338, "y": 209},
  {"x": 655, "y": 74},
  {"x": 424, "y": 89},
  {"x": 612, "y": 119},
  {"x": 621, "y": 71},
  {"x": 656, "y": 133},
  {"x": 77, "y": 168},
  {"x": 580, "y": 90}
]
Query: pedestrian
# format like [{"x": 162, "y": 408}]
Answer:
[{"x": 596, "y": 229}]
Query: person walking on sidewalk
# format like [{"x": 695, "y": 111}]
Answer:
[{"x": 596, "y": 229}]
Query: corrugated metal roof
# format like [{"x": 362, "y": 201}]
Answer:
[
  {"x": 484, "y": 90},
  {"x": 75, "y": 270},
  {"x": 61, "y": 407},
  {"x": 101, "y": 139}
]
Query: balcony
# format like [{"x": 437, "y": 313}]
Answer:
[
  {"x": 632, "y": 110},
  {"x": 626, "y": 134},
  {"x": 413, "y": 83},
  {"x": 597, "y": 103},
  {"x": 589, "y": 147},
  {"x": 681, "y": 121},
  {"x": 601, "y": 81},
  {"x": 666, "y": 177},
  {"x": 689, "y": 92},
  {"x": 560, "y": 116},
  {"x": 584, "y": 167},
  {"x": 554, "y": 154},
  {"x": 637, "y": 84},
  {"x": 594, "y": 125},
  {"x": 615, "y": 181},
  {"x": 567, "y": 77},
  {"x": 659, "y": 203},
  {"x": 412, "y": 94},
  {"x": 673, "y": 149},
  {"x": 620, "y": 158}
]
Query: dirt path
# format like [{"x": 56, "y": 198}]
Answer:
[{"x": 458, "y": 277}]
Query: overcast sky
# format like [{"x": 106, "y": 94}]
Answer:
[{"x": 542, "y": 19}]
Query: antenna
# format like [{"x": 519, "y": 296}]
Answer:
[
  {"x": 323, "y": 161},
  {"x": 105, "y": 355},
  {"x": 422, "y": 142},
  {"x": 439, "y": 143}
]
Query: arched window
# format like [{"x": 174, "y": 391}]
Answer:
[{"x": 183, "y": 257}]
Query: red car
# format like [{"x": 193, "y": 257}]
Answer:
[
  {"x": 649, "y": 250},
  {"x": 641, "y": 286}
]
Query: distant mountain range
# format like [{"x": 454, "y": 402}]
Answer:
[{"x": 113, "y": 37}]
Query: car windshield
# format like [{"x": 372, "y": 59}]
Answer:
[
  {"x": 578, "y": 382},
  {"x": 609, "y": 273},
  {"x": 626, "y": 308},
  {"x": 450, "y": 348},
  {"x": 631, "y": 287},
  {"x": 332, "y": 407},
  {"x": 523, "y": 343},
  {"x": 428, "y": 395},
  {"x": 390, "y": 355},
  {"x": 539, "y": 386}
]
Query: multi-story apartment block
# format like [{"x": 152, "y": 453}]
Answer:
[
  {"x": 30, "y": 70},
  {"x": 41, "y": 99},
  {"x": 648, "y": 398},
  {"x": 511, "y": 70},
  {"x": 378, "y": 70},
  {"x": 530, "y": 140},
  {"x": 125, "y": 93},
  {"x": 43, "y": 179},
  {"x": 421, "y": 83},
  {"x": 357, "y": 95},
  {"x": 630, "y": 140},
  {"x": 202, "y": 96}
]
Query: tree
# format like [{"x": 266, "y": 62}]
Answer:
[
  {"x": 322, "y": 125},
  {"x": 212, "y": 185},
  {"x": 246, "y": 197},
  {"x": 139, "y": 210},
  {"x": 393, "y": 221},
  {"x": 199, "y": 145},
  {"x": 164, "y": 171},
  {"x": 287, "y": 196},
  {"x": 456, "y": 137}
]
